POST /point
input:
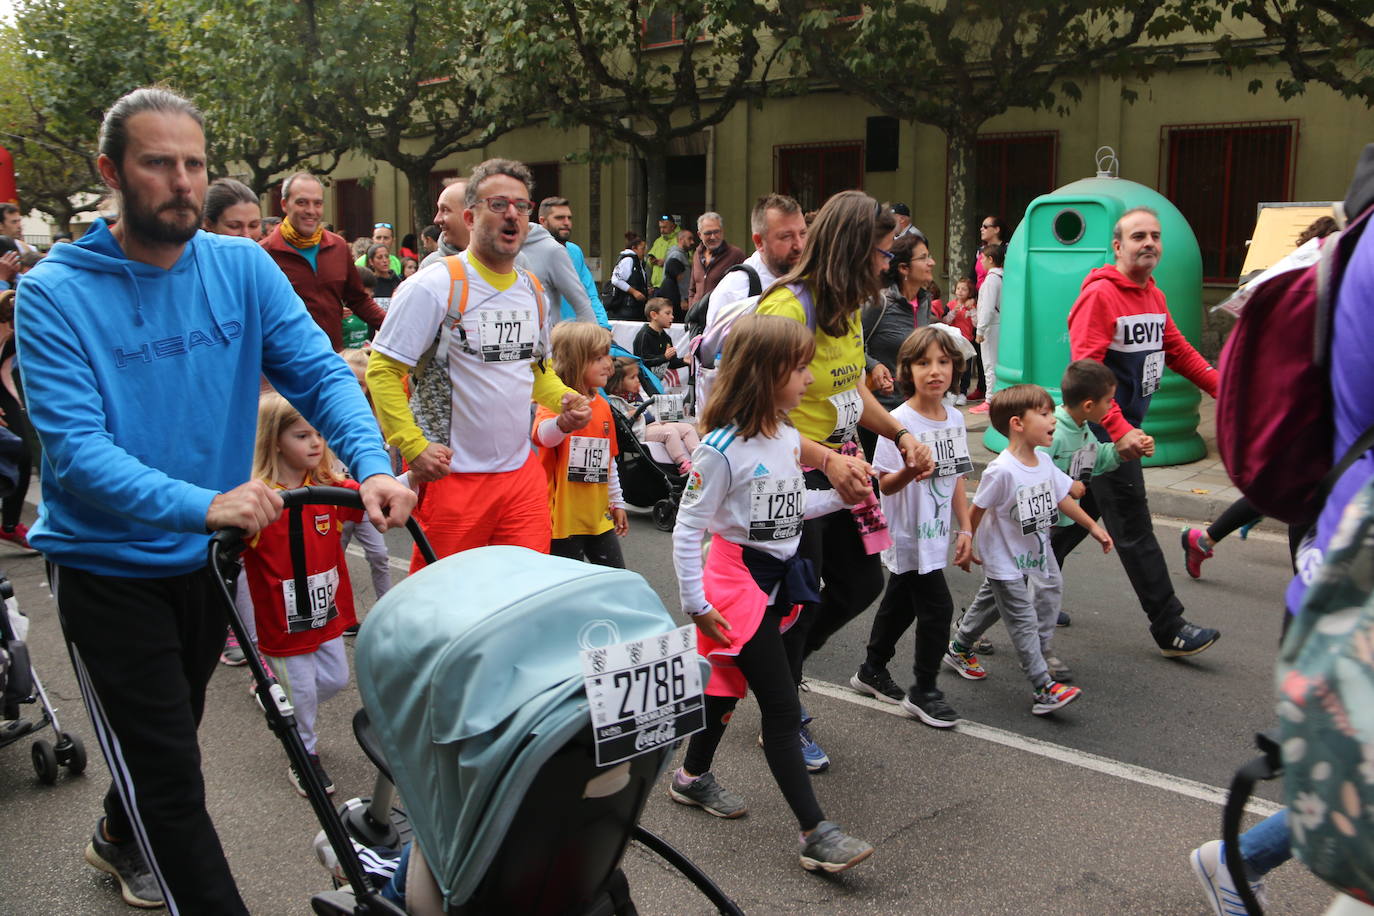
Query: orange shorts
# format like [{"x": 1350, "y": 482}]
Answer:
[{"x": 462, "y": 511}]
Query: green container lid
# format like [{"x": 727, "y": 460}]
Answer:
[{"x": 1064, "y": 235}]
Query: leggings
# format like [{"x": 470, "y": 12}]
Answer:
[
  {"x": 680, "y": 439},
  {"x": 766, "y": 665},
  {"x": 602, "y": 549},
  {"x": 1236, "y": 516},
  {"x": 920, "y": 598},
  {"x": 12, "y": 506},
  {"x": 852, "y": 580}
]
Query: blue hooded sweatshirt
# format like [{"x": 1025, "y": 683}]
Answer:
[{"x": 142, "y": 384}]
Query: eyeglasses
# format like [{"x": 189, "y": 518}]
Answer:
[
  {"x": 384, "y": 226},
  {"x": 885, "y": 253},
  {"x": 500, "y": 204},
  {"x": 988, "y": 226}
]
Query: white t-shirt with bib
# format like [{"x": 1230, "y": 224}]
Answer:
[
  {"x": 920, "y": 516},
  {"x": 1022, "y": 506},
  {"x": 489, "y": 431}
]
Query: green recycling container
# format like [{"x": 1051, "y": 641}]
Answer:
[{"x": 1063, "y": 236}]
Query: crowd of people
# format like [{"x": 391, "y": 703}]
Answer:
[{"x": 477, "y": 358}]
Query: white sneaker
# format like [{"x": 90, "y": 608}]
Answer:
[
  {"x": 960, "y": 400},
  {"x": 1209, "y": 864}
]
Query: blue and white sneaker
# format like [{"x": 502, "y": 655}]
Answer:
[
  {"x": 815, "y": 758},
  {"x": 1209, "y": 864}
]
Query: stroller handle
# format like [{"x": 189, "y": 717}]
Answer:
[{"x": 229, "y": 541}]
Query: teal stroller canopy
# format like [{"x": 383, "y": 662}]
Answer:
[{"x": 472, "y": 676}]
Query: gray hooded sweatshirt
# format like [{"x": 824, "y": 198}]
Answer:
[{"x": 542, "y": 256}]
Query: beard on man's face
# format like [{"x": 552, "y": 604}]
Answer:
[{"x": 183, "y": 218}]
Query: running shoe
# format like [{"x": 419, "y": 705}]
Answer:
[
  {"x": 19, "y": 537},
  {"x": 233, "y": 653},
  {"x": 1058, "y": 670},
  {"x": 710, "y": 796},
  {"x": 1193, "y": 551},
  {"x": 981, "y": 408},
  {"x": 315, "y": 765},
  {"x": 1188, "y": 639},
  {"x": 828, "y": 848},
  {"x": 984, "y": 646},
  {"x": 965, "y": 662},
  {"x": 379, "y": 862},
  {"x": 815, "y": 759},
  {"x": 1209, "y": 864},
  {"x": 1052, "y": 696},
  {"x": 877, "y": 683},
  {"x": 352, "y": 631},
  {"x": 125, "y": 861},
  {"x": 960, "y": 400},
  {"x": 1064, "y": 619},
  {"x": 930, "y": 707}
]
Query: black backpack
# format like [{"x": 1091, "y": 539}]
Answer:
[{"x": 696, "y": 315}]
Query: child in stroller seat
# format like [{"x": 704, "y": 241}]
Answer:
[{"x": 626, "y": 395}]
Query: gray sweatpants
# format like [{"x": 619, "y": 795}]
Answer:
[
  {"x": 309, "y": 680},
  {"x": 374, "y": 548},
  {"x": 1029, "y": 608}
]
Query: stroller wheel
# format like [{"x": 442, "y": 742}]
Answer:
[
  {"x": 665, "y": 514},
  {"x": 71, "y": 753},
  {"x": 44, "y": 762}
]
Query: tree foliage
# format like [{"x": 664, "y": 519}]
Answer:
[
  {"x": 1328, "y": 42},
  {"x": 588, "y": 64},
  {"x": 953, "y": 65}
]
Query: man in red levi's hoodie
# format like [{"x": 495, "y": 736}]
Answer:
[{"x": 1121, "y": 320}]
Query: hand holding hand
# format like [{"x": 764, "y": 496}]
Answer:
[
  {"x": 576, "y": 412},
  {"x": 963, "y": 551},
  {"x": 850, "y": 475},
  {"x": 431, "y": 464},
  {"x": 880, "y": 379}
]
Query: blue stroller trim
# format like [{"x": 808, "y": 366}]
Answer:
[
  {"x": 651, "y": 383},
  {"x": 471, "y": 674}
]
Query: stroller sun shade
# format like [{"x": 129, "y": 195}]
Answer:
[{"x": 471, "y": 674}]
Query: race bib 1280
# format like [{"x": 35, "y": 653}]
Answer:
[{"x": 776, "y": 508}]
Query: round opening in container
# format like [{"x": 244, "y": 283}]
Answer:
[{"x": 1068, "y": 226}]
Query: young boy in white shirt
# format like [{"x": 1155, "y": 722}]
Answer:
[{"x": 1021, "y": 493}]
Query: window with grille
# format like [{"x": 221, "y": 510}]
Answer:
[
  {"x": 812, "y": 174},
  {"x": 352, "y": 209},
  {"x": 661, "y": 28},
  {"x": 1217, "y": 174},
  {"x": 1012, "y": 170}
]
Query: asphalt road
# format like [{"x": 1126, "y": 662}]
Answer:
[{"x": 1092, "y": 810}]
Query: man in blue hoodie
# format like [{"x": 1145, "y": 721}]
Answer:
[{"x": 141, "y": 348}]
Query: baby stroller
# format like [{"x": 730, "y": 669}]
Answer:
[
  {"x": 360, "y": 823},
  {"x": 481, "y": 708},
  {"x": 649, "y": 477},
  {"x": 19, "y": 684}
]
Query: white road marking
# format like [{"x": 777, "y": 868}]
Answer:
[
  {"x": 394, "y": 562},
  {"x": 1098, "y": 764}
]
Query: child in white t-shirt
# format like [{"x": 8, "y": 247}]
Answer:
[
  {"x": 924, "y": 517},
  {"x": 1022, "y": 494}
]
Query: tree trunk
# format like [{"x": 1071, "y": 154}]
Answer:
[
  {"x": 594, "y": 208},
  {"x": 422, "y": 205},
  {"x": 656, "y": 193},
  {"x": 963, "y": 173}
]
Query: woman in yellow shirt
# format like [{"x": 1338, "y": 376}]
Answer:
[{"x": 847, "y": 249}]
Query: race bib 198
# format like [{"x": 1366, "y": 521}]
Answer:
[
  {"x": 589, "y": 459},
  {"x": 506, "y": 334},
  {"x": 321, "y": 588},
  {"x": 849, "y": 406},
  {"x": 776, "y": 508},
  {"x": 1036, "y": 507},
  {"x": 949, "y": 447}
]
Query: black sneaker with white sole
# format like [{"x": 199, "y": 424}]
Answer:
[
  {"x": 877, "y": 683},
  {"x": 1188, "y": 639},
  {"x": 930, "y": 707},
  {"x": 708, "y": 795},
  {"x": 125, "y": 861},
  {"x": 828, "y": 848}
]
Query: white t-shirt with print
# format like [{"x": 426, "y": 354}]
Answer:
[
  {"x": 492, "y": 380},
  {"x": 920, "y": 516},
  {"x": 1022, "y": 506}
]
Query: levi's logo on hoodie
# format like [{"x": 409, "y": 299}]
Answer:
[{"x": 1138, "y": 333}]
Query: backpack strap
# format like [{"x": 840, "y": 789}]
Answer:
[
  {"x": 755, "y": 284},
  {"x": 458, "y": 280}
]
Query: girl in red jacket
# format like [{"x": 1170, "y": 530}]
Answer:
[{"x": 304, "y": 647}]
